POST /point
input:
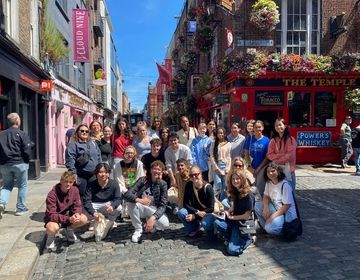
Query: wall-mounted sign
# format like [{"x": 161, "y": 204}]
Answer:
[
  {"x": 323, "y": 82},
  {"x": 255, "y": 43},
  {"x": 80, "y": 19},
  {"x": 222, "y": 98},
  {"x": 314, "y": 138},
  {"x": 269, "y": 98}
]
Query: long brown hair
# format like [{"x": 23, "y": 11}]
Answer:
[
  {"x": 75, "y": 136},
  {"x": 245, "y": 186}
]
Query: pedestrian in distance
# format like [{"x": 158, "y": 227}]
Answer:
[
  {"x": 103, "y": 196},
  {"x": 220, "y": 161},
  {"x": 200, "y": 150},
  {"x": 355, "y": 136},
  {"x": 15, "y": 153},
  {"x": 345, "y": 142},
  {"x": 186, "y": 133},
  {"x": 278, "y": 202},
  {"x": 82, "y": 155},
  {"x": 147, "y": 199},
  {"x": 282, "y": 150},
  {"x": 242, "y": 202},
  {"x": 63, "y": 210},
  {"x": 198, "y": 206}
]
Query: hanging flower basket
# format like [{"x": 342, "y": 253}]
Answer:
[
  {"x": 189, "y": 58},
  {"x": 204, "y": 39},
  {"x": 352, "y": 97},
  {"x": 265, "y": 15}
]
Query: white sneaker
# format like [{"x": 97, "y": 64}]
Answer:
[
  {"x": 50, "y": 243},
  {"x": 70, "y": 235},
  {"x": 136, "y": 236}
]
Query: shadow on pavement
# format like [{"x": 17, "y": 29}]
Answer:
[{"x": 38, "y": 216}]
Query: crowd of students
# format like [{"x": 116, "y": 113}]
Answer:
[{"x": 141, "y": 175}]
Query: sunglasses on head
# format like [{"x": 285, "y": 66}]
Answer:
[
  {"x": 84, "y": 131},
  {"x": 194, "y": 175}
]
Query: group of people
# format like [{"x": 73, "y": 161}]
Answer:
[
  {"x": 118, "y": 173},
  {"x": 350, "y": 143},
  {"x": 190, "y": 172}
]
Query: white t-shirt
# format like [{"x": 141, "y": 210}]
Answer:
[{"x": 274, "y": 193}]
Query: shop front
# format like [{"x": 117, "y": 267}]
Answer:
[{"x": 312, "y": 105}]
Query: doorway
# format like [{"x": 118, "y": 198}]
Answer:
[{"x": 268, "y": 117}]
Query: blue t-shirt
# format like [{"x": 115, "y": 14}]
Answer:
[{"x": 258, "y": 150}]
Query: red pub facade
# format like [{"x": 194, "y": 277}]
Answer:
[{"x": 311, "y": 104}]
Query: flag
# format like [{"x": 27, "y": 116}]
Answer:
[{"x": 164, "y": 75}]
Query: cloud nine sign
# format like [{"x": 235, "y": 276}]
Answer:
[{"x": 80, "y": 19}]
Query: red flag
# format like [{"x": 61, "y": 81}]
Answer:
[{"x": 164, "y": 75}]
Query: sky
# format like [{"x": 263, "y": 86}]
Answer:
[{"x": 142, "y": 30}]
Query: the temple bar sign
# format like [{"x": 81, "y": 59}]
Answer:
[
  {"x": 314, "y": 138},
  {"x": 319, "y": 82}
]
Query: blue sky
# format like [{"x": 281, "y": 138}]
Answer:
[{"x": 142, "y": 30}]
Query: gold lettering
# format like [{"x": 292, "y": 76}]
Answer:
[
  {"x": 352, "y": 82},
  {"x": 286, "y": 82},
  {"x": 314, "y": 82}
]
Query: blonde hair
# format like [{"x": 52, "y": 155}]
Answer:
[
  {"x": 69, "y": 176},
  {"x": 233, "y": 192},
  {"x": 13, "y": 118}
]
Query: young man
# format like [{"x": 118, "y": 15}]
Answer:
[
  {"x": 63, "y": 210},
  {"x": 147, "y": 200},
  {"x": 200, "y": 150},
  {"x": 156, "y": 154},
  {"x": 15, "y": 149},
  {"x": 173, "y": 153}
]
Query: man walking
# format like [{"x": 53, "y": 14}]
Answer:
[
  {"x": 14, "y": 163},
  {"x": 345, "y": 142}
]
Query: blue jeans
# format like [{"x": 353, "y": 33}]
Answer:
[
  {"x": 207, "y": 223},
  {"x": 275, "y": 227},
  {"x": 357, "y": 158},
  {"x": 293, "y": 181},
  {"x": 9, "y": 173},
  {"x": 219, "y": 182},
  {"x": 230, "y": 230}
]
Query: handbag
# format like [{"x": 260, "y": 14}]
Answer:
[
  {"x": 218, "y": 207},
  {"x": 248, "y": 226},
  {"x": 291, "y": 230}
]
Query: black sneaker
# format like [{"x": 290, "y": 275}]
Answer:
[
  {"x": 2, "y": 210},
  {"x": 20, "y": 212}
]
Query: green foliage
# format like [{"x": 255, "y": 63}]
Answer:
[
  {"x": 352, "y": 97},
  {"x": 260, "y": 4},
  {"x": 51, "y": 40}
]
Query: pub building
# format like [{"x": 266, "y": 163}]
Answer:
[
  {"x": 24, "y": 88},
  {"x": 311, "y": 104}
]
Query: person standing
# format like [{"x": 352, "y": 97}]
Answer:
[
  {"x": 15, "y": 148},
  {"x": 237, "y": 141},
  {"x": 345, "y": 142},
  {"x": 186, "y": 133},
  {"x": 355, "y": 135}
]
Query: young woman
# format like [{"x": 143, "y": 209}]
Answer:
[
  {"x": 249, "y": 134},
  {"x": 220, "y": 161},
  {"x": 186, "y": 133},
  {"x": 278, "y": 201},
  {"x": 237, "y": 141},
  {"x": 164, "y": 136},
  {"x": 105, "y": 145},
  {"x": 211, "y": 128},
  {"x": 154, "y": 130},
  {"x": 282, "y": 150},
  {"x": 82, "y": 155},
  {"x": 96, "y": 130},
  {"x": 257, "y": 149},
  {"x": 198, "y": 205},
  {"x": 242, "y": 204},
  {"x": 122, "y": 139},
  {"x": 142, "y": 140}
]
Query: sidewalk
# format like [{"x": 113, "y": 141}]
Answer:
[{"x": 22, "y": 238}]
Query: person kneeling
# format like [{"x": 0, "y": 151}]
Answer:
[
  {"x": 103, "y": 196},
  {"x": 242, "y": 202},
  {"x": 63, "y": 210},
  {"x": 147, "y": 200}
]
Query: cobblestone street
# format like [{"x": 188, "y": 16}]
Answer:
[{"x": 328, "y": 249}]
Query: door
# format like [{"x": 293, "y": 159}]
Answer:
[{"x": 268, "y": 117}]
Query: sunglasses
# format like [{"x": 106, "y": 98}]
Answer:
[
  {"x": 194, "y": 175},
  {"x": 84, "y": 131},
  {"x": 238, "y": 165}
]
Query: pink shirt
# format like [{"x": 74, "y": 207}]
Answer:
[{"x": 282, "y": 153}]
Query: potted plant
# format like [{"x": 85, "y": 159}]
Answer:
[
  {"x": 265, "y": 15},
  {"x": 204, "y": 38}
]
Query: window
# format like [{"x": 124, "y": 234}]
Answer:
[
  {"x": 299, "y": 28},
  {"x": 299, "y": 109},
  {"x": 325, "y": 108},
  {"x": 11, "y": 12}
]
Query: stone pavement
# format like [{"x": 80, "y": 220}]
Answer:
[{"x": 328, "y": 249}]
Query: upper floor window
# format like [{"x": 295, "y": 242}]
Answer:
[
  {"x": 299, "y": 28},
  {"x": 11, "y": 13}
]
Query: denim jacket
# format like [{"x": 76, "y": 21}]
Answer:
[{"x": 200, "y": 151}]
